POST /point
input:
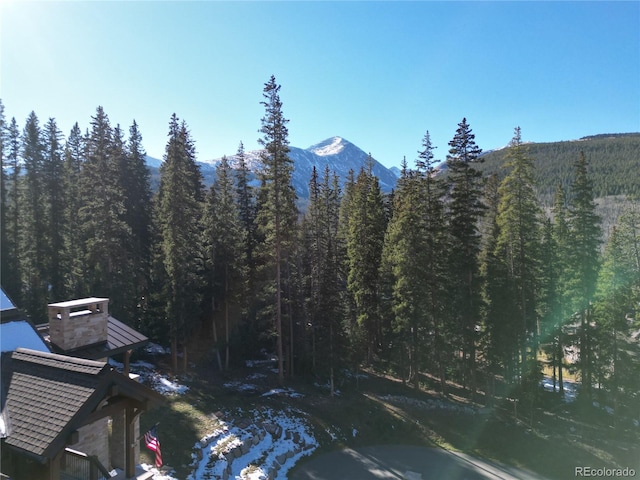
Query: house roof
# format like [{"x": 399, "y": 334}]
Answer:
[
  {"x": 46, "y": 397},
  {"x": 120, "y": 337},
  {"x": 20, "y": 333},
  {"x": 5, "y": 301},
  {"x": 8, "y": 309}
]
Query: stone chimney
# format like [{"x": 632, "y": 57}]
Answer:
[{"x": 78, "y": 323}]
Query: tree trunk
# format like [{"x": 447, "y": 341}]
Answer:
[
  {"x": 174, "y": 354},
  {"x": 226, "y": 315},
  {"x": 184, "y": 357}
]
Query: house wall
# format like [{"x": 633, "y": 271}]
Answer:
[
  {"x": 118, "y": 443},
  {"x": 94, "y": 440}
]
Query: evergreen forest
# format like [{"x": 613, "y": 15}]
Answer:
[{"x": 486, "y": 277}]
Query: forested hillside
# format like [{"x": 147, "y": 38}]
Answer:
[
  {"x": 471, "y": 278},
  {"x": 614, "y": 164}
]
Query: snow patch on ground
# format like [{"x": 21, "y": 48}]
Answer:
[
  {"x": 159, "y": 474},
  {"x": 287, "y": 392},
  {"x": 150, "y": 377},
  {"x": 570, "y": 388},
  {"x": 155, "y": 349},
  {"x": 270, "y": 444},
  {"x": 241, "y": 387}
]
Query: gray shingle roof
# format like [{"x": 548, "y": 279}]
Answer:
[
  {"x": 120, "y": 337},
  {"x": 44, "y": 391},
  {"x": 46, "y": 397}
]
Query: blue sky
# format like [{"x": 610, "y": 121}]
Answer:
[{"x": 376, "y": 73}]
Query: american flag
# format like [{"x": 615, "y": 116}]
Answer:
[{"x": 153, "y": 444}]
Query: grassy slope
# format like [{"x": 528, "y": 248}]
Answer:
[{"x": 378, "y": 408}]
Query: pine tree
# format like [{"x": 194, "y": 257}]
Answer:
[
  {"x": 135, "y": 178},
  {"x": 312, "y": 230},
  {"x": 32, "y": 227},
  {"x": 246, "y": 204},
  {"x": 561, "y": 241},
  {"x": 465, "y": 210},
  {"x": 322, "y": 275},
  {"x": 11, "y": 275},
  {"x": 498, "y": 306},
  {"x": 435, "y": 276},
  {"x": 414, "y": 252},
  {"x": 225, "y": 243},
  {"x": 106, "y": 234},
  {"x": 406, "y": 254},
  {"x": 74, "y": 266},
  {"x": 178, "y": 210},
  {"x": 344, "y": 217},
  {"x": 367, "y": 225},
  {"x": 549, "y": 305},
  {"x": 617, "y": 363},
  {"x": 5, "y": 265},
  {"x": 277, "y": 217},
  {"x": 519, "y": 243},
  {"x": 585, "y": 234},
  {"x": 55, "y": 200}
]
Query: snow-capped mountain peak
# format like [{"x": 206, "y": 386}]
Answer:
[
  {"x": 331, "y": 146},
  {"x": 337, "y": 154}
]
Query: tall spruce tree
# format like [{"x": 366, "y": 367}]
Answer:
[
  {"x": 5, "y": 265},
  {"x": 105, "y": 231},
  {"x": 224, "y": 241},
  {"x": 32, "y": 228},
  {"x": 500, "y": 351},
  {"x": 276, "y": 218},
  {"x": 435, "y": 276},
  {"x": 136, "y": 182},
  {"x": 406, "y": 255},
  {"x": 616, "y": 312},
  {"x": 4, "y": 244},
  {"x": 246, "y": 201},
  {"x": 344, "y": 216},
  {"x": 584, "y": 258},
  {"x": 75, "y": 266},
  {"x": 178, "y": 210},
  {"x": 312, "y": 230},
  {"x": 367, "y": 225},
  {"x": 562, "y": 242},
  {"x": 465, "y": 210},
  {"x": 55, "y": 194},
  {"x": 11, "y": 275},
  {"x": 414, "y": 253},
  {"x": 519, "y": 245},
  {"x": 549, "y": 304},
  {"x": 321, "y": 274}
]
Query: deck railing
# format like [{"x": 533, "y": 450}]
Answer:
[{"x": 80, "y": 466}]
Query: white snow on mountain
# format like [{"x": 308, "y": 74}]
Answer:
[
  {"x": 336, "y": 153},
  {"x": 331, "y": 146}
]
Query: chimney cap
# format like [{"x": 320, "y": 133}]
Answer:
[{"x": 79, "y": 302}]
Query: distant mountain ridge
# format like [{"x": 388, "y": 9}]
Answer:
[
  {"x": 614, "y": 164},
  {"x": 338, "y": 154}
]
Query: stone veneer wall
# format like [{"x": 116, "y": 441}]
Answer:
[
  {"x": 69, "y": 330},
  {"x": 94, "y": 440},
  {"x": 118, "y": 444}
]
